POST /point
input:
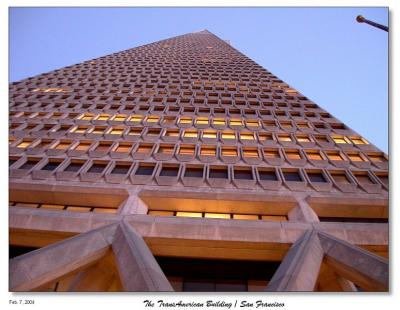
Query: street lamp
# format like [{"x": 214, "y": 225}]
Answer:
[{"x": 362, "y": 19}]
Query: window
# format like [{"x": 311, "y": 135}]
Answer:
[
  {"x": 145, "y": 169},
  {"x": 208, "y": 150},
  {"x": 144, "y": 148},
  {"x": 242, "y": 173},
  {"x": 354, "y": 157},
  {"x": 190, "y": 134},
  {"x": 218, "y": 121},
  {"x": 316, "y": 177},
  {"x": 292, "y": 176},
  {"x": 235, "y": 122},
  {"x": 166, "y": 149},
  {"x": 83, "y": 146},
  {"x": 29, "y": 164},
  {"x": 103, "y": 117},
  {"x": 313, "y": 154},
  {"x": 119, "y": 118},
  {"x": 152, "y": 119},
  {"x": 247, "y": 136},
  {"x": 271, "y": 153},
  {"x": 115, "y": 131},
  {"x": 74, "y": 166},
  {"x": 340, "y": 140},
  {"x": 202, "y": 121},
  {"x": 169, "y": 171},
  {"x": 62, "y": 145},
  {"x": 267, "y": 174},
  {"x": 185, "y": 120},
  {"x": 340, "y": 177},
  {"x": 97, "y": 167},
  {"x": 360, "y": 140},
  {"x": 229, "y": 151},
  {"x": 293, "y": 154},
  {"x": 250, "y": 152},
  {"x": 123, "y": 147},
  {"x": 218, "y": 172},
  {"x": 51, "y": 165},
  {"x": 228, "y": 135},
  {"x": 284, "y": 138},
  {"x": 301, "y": 138},
  {"x": 186, "y": 150},
  {"x": 334, "y": 155},
  {"x": 209, "y": 134},
  {"x": 121, "y": 168},
  {"x": 80, "y": 129},
  {"x": 194, "y": 172},
  {"x": 172, "y": 133},
  {"x": 24, "y": 144}
]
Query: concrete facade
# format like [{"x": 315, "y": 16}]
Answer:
[{"x": 186, "y": 148}]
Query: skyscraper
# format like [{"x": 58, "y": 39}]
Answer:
[{"x": 184, "y": 165}]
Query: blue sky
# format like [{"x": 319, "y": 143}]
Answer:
[{"x": 322, "y": 52}]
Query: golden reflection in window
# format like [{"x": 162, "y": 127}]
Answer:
[
  {"x": 314, "y": 155},
  {"x": 235, "y": 122},
  {"x": 246, "y": 136},
  {"x": 51, "y": 90},
  {"x": 190, "y": 134},
  {"x": 136, "y": 118},
  {"x": 103, "y": 117},
  {"x": 339, "y": 140},
  {"x": 245, "y": 217},
  {"x": 275, "y": 218},
  {"x": 144, "y": 149},
  {"x": 115, "y": 131},
  {"x": 166, "y": 149},
  {"x": 79, "y": 130},
  {"x": 217, "y": 215},
  {"x": 293, "y": 154},
  {"x": 24, "y": 144},
  {"x": 186, "y": 150},
  {"x": 218, "y": 121},
  {"x": 172, "y": 133},
  {"x": 209, "y": 134},
  {"x": 202, "y": 121},
  {"x": 207, "y": 151},
  {"x": 189, "y": 214},
  {"x": 87, "y": 117},
  {"x": 119, "y": 118},
  {"x": 334, "y": 156},
  {"x": 252, "y": 123},
  {"x": 185, "y": 120},
  {"x": 284, "y": 138},
  {"x": 225, "y": 151},
  {"x": 271, "y": 153},
  {"x": 152, "y": 119},
  {"x": 359, "y": 141},
  {"x": 355, "y": 157},
  {"x": 303, "y": 139},
  {"x": 226, "y": 135},
  {"x": 253, "y": 153},
  {"x": 161, "y": 213}
]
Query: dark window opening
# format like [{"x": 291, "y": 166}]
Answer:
[
  {"x": 317, "y": 177},
  {"x": 218, "y": 173},
  {"x": 193, "y": 172},
  {"x": 292, "y": 176},
  {"x": 169, "y": 171},
  {"x": 97, "y": 168},
  {"x": 74, "y": 167},
  {"x": 51, "y": 165},
  {"x": 145, "y": 170},
  {"x": 120, "y": 169},
  {"x": 16, "y": 250},
  {"x": 243, "y": 174},
  {"x": 209, "y": 275},
  {"x": 267, "y": 175},
  {"x": 29, "y": 164}
]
